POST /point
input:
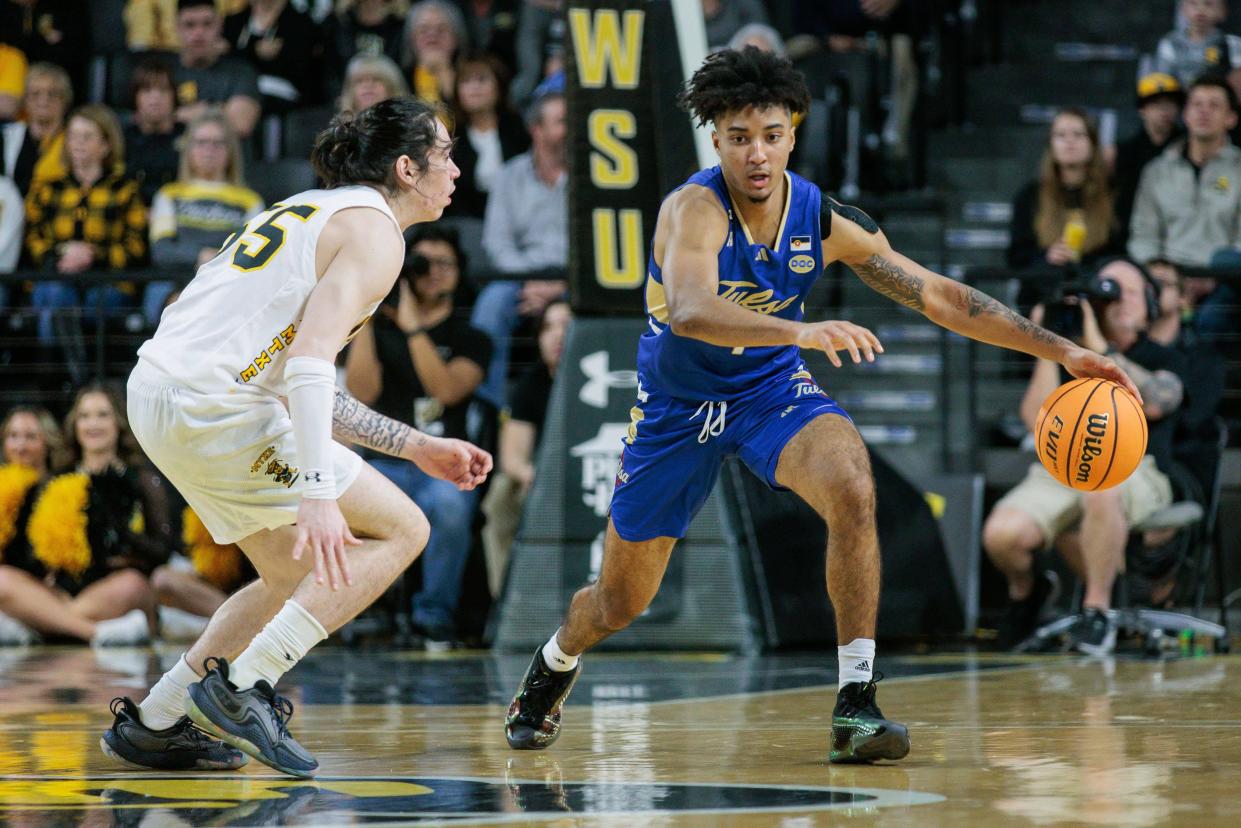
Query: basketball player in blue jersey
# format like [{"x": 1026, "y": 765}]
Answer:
[{"x": 736, "y": 250}]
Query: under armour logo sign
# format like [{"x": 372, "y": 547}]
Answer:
[
  {"x": 599, "y": 378},
  {"x": 312, "y": 477}
]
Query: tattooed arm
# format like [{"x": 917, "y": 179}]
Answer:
[
  {"x": 456, "y": 461},
  {"x": 950, "y": 304},
  {"x": 353, "y": 422}
]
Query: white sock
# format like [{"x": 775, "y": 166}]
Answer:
[
  {"x": 283, "y": 642},
  {"x": 557, "y": 659},
  {"x": 166, "y": 701},
  {"x": 857, "y": 660}
]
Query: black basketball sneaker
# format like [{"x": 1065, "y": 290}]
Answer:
[
  {"x": 533, "y": 721},
  {"x": 860, "y": 733},
  {"x": 179, "y": 747},
  {"x": 253, "y": 721}
]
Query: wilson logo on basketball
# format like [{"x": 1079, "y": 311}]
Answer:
[
  {"x": 1092, "y": 446},
  {"x": 1091, "y": 434}
]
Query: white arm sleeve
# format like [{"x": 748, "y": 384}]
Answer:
[{"x": 311, "y": 384}]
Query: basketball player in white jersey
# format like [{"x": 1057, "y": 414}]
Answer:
[{"x": 259, "y": 324}]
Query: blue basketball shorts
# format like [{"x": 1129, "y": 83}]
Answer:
[{"x": 672, "y": 454}]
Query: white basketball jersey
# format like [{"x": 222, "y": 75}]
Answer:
[{"x": 231, "y": 328}]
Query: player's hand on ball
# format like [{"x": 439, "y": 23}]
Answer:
[
  {"x": 322, "y": 530},
  {"x": 1083, "y": 362},
  {"x": 837, "y": 335},
  {"x": 463, "y": 464}
]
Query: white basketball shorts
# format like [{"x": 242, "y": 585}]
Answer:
[{"x": 233, "y": 457}]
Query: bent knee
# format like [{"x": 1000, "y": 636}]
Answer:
[
  {"x": 413, "y": 533},
  {"x": 9, "y": 582},
  {"x": 849, "y": 496},
  {"x": 617, "y": 611},
  {"x": 1008, "y": 530},
  {"x": 131, "y": 584},
  {"x": 163, "y": 581}
]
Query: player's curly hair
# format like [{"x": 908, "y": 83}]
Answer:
[{"x": 731, "y": 80}]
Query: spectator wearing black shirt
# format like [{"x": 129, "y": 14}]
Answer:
[
  {"x": 520, "y": 435},
  {"x": 492, "y": 26},
  {"x": 284, "y": 46},
  {"x": 1066, "y": 213},
  {"x": 419, "y": 363},
  {"x": 364, "y": 27},
  {"x": 51, "y": 31},
  {"x": 1160, "y": 99},
  {"x": 151, "y": 132},
  {"x": 489, "y": 132},
  {"x": 207, "y": 78},
  {"x": 93, "y": 587}
]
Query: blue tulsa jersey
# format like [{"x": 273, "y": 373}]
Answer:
[{"x": 762, "y": 279}]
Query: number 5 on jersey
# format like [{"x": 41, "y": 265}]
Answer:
[{"x": 256, "y": 247}]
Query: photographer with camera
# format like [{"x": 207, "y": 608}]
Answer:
[
  {"x": 420, "y": 362},
  {"x": 1109, "y": 314}
]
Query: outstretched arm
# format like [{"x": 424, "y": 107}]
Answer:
[
  {"x": 456, "y": 461},
  {"x": 950, "y": 304}
]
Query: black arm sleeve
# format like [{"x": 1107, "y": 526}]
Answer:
[
  {"x": 153, "y": 546},
  {"x": 830, "y": 205}
]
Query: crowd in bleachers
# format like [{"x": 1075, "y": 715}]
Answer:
[
  {"x": 136, "y": 135},
  {"x": 1132, "y": 250}
]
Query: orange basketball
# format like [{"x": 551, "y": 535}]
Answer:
[{"x": 1090, "y": 434}]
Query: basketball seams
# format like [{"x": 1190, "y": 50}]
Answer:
[
  {"x": 1065, "y": 389},
  {"x": 1142, "y": 419},
  {"x": 1115, "y": 440},
  {"x": 1072, "y": 444}
]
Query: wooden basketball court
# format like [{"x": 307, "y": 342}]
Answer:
[{"x": 684, "y": 739}]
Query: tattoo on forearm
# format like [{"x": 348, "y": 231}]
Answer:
[
  {"x": 1161, "y": 390},
  {"x": 889, "y": 279},
  {"x": 975, "y": 303},
  {"x": 356, "y": 423}
]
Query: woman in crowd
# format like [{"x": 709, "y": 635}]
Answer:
[
  {"x": 489, "y": 132},
  {"x": 31, "y": 441},
  {"x": 434, "y": 33},
  {"x": 519, "y": 441},
  {"x": 191, "y": 218},
  {"x": 89, "y": 218},
  {"x": 1066, "y": 214},
  {"x": 370, "y": 79},
  {"x": 94, "y": 533}
]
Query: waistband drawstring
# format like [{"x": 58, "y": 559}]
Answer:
[{"x": 713, "y": 426}]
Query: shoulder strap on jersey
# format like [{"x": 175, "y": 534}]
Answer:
[{"x": 853, "y": 214}]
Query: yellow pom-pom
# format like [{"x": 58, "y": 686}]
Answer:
[
  {"x": 57, "y": 528},
  {"x": 218, "y": 564},
  {"x": 15, "y": 483}
]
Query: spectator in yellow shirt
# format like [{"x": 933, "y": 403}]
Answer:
[{"x": 90, "y": 218}]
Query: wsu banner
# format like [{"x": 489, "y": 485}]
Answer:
[{"x": 629, "y": 144}]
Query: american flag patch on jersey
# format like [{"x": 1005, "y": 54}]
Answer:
[{"x": 799, "y": 244}]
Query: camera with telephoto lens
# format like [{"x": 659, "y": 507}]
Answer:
[
  {"x": 415, "y": 266},
  {"x": 1063, "y": 303}
]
